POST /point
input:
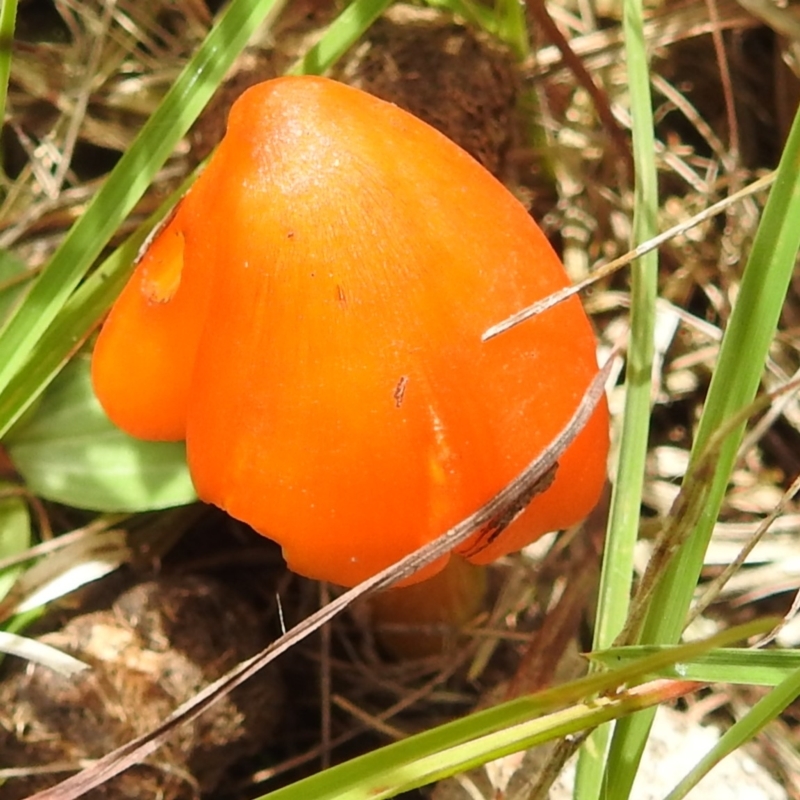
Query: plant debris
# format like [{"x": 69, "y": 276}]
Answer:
[{"x": 153, "y": 649}]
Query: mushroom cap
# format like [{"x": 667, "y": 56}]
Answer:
[{"x": 310, "y": 320}]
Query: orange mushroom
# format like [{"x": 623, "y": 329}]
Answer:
[{"x": 310, "y": 320}]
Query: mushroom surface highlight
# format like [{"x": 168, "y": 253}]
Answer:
[{"x": 310, "y": 320}]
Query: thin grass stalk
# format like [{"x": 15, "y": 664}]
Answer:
[{"x": 623, "y": 524}]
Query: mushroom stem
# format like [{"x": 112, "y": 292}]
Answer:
[{"x": 425, "y": 619}]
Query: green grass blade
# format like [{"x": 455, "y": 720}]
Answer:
[
  {"x": 82, "y": 312},
  {"x": 469, "y": 755},
  {"x": 128, "y": 181},
  {"x": 15, "y": 532},
  {"x": 14, "y": 280},
  {"x": 8, "y": 19},
  {"x": 733, "y": 386},
  {"x": 488, "y": 734},
  {"x": 474, "y": 12},
  {"x": 724, "y": 665},
  {"x": 512, "y": 27},
  {"x": 762, "y": 713},
  {"x": 340, "y": 36},
  {"x": 737, "y": 376},
  {"x": 623, "y": 526}
]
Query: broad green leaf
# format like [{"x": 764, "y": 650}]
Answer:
[{"x": 70, "y": 452}]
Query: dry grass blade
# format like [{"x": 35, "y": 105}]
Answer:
[
  {"x": 498, "y": 512},
  {"x": 676, "y": 23},
  {"x": 40, "y": 653},
  {"x": 89, "y": 558},
  {"x": 713, "y": 590},
  {"x": 687, "y": 508},
  {"x": 66, "y": 540},
  {"x": 618, "y": 263},
  {"x": 599, "y": 97}
]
